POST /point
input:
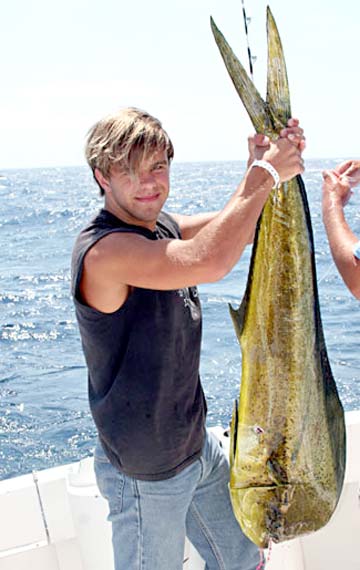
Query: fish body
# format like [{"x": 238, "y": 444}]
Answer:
[{"x": 287, "y": 448}]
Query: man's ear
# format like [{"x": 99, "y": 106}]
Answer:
[{"x": 101, "y": 180}]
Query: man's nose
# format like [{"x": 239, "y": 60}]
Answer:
[{"x": 147, "y": 178}]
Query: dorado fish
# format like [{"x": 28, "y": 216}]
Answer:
[{"x": 287, "y": 437}]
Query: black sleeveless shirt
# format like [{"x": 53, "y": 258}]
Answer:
[{"x": 143, "y": 363}]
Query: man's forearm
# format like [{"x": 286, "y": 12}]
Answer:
[
  {"x": 226, "y": 236},
  {"x": 341, "y": 241}
]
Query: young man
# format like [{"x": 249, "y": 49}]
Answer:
[
  {"x": 134, "y": 276},
  {"x": 344, "y": 245}
]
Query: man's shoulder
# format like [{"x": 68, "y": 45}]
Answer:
[{"x": 105, "y": 223}]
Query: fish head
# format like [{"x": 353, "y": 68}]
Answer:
[{"x": 279, "y": 512}]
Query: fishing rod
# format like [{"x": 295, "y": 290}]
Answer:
[
  {"x": 250, "y": 57},
  {"x": 332, "y": 267}
]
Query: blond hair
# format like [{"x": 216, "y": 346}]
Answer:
[{"x": 124, "y": 139}]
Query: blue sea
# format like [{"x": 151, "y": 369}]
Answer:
[{"x": 44, "y": 413}]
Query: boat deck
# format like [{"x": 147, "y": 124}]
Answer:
[{"x": 56, "y": 520}]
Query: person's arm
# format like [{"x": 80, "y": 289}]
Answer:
[
  {"x": 120, "y": 261},
  {"x": 190, "y": 225},
  {"x": 336, "y": 193}
]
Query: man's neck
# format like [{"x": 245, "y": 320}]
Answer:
[{"x": 127, "y": 218}]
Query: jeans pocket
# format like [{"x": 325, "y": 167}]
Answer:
[{"x": 111, "y": 485}]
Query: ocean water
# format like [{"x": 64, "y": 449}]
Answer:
[{"x": 44, "y": 413}]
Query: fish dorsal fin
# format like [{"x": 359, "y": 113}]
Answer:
[
  {"x": 249, "y": 95},
  {"x": 278, "y": 95}
]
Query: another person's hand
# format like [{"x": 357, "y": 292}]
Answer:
[
  {"x": 349, "y": 171},
  {"x": 336, "y": 187}
]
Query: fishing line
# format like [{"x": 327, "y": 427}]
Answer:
[
  {"x": 264, "y": 559},
  {"x": 261, "y": 564},
  {"x": 329, "y": 271},
  {"x": 250, "y": 57}
]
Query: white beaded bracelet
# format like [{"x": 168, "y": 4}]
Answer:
[{"x": 269, "y": 167}]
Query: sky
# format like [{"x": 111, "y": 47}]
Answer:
[{"x": 66, "y": 64}]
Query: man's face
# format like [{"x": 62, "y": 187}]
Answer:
[{"x": 137, "y": 197}]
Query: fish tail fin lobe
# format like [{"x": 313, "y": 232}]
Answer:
[
  {"x": 249, "y": 95},
  {"x": 278, "y": 94}
]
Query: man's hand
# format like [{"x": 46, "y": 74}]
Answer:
[
  {"x": 336, "y": 188},
  {"x": 336, "y": 193},
  {"x": 349, "y": 171},
  {"x": 284, "y": 153},
  {"x": 294, "y": 134}
]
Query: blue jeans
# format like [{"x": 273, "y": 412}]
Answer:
[{"x": 150, "y": 519}]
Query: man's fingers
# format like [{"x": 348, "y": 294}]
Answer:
[
  {"x": 293, "y": 122},
  {"x": 258, "y": 140},
  {"x": 298, "y": 131},
  {"x": 325, "y": 174},
  {"x": 344, "y": 166},
  {"x": 330, "y": 176},
  {"x": 302, "y": 145},
  {"x": 349, "y": 172},
  {"x": 295, "y": 135},
  {"x": 350, "y": 180},
  {"x": 254, "y": 142}
]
